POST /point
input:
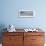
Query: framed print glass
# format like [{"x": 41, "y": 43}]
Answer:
[{"x": 26, "y": 13}]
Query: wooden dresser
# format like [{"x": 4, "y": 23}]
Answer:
[{"x": 23, "y": 38}]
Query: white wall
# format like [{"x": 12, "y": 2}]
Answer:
[{"x": 10, "y": 8}]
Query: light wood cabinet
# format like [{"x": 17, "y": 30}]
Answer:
[{"x": 23, "y": 39}]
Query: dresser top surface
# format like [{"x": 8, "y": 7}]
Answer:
[{"x": 22, "y": 30}]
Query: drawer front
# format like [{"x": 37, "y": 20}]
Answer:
[
  {"x": 12, "y": 39},
  {"x": 13, "y": 33},
  {"x": 34, "y": 33},
  {"x": 37, "y": 44},
  {"x": 37, "y": 39},
  {"x": 12, "y": 44}
]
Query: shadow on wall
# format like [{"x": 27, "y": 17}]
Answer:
[{"x": 2, "y": 26}]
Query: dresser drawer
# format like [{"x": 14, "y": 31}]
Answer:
[
  {"x": 37, "y": 39},
  {"x": 37, "y": 44},
  {"x": 13, "y": 33},
  {"x": 13, "y": 44},
  {"x": 34, "y": 33},
  {"x": 12, "y": 39}
]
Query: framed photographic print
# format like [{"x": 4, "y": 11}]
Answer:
[{"x": 26, "y": 13}]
